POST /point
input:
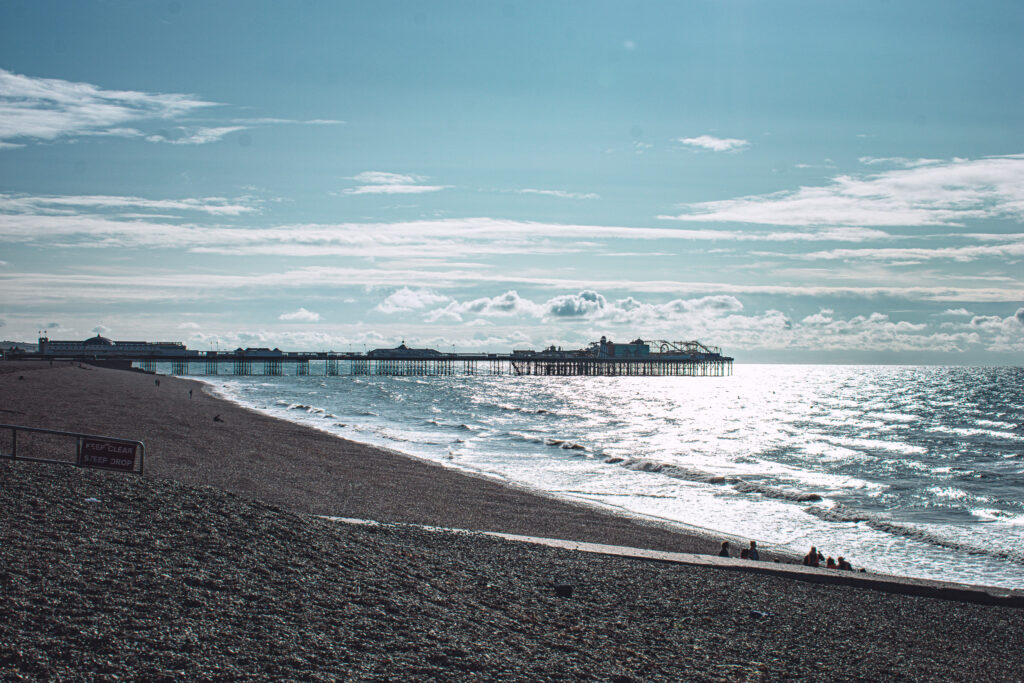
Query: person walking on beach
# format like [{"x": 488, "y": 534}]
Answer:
[
  {"x": 724, "y": 552},
  {"x": 752, "y": 553}
]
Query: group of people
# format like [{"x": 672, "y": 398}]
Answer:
[
  {"x": 814, "y": 559},
  {"x": 745, "y": 554}
]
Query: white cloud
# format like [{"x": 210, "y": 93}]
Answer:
[
  {"x": 715, "y": 144},
  {"x": 215, "y": 206},
  {"x": 503, "y": 305},
  {"x": 262, "y": 121},
  {"x": 381, "y": 182},
  {"x": 938, "y": 194},
  {"x": 182, "y": 135},
  {"x": 188, "y": 326},
  {"x": 54, "y": 221},
  {"x": 125, "y": 285},
  {"x": 898, "y": 161},
  {"x": 585, "y": 304},
  {"x": 301, "y": 315},
  {"x": 910, "y": 255},
  {"x": 590, "y": 305},
  {"x": 562, "y": 193},
  {"x": 405, "y": 300},
  {"x": 51, "y": 108}
]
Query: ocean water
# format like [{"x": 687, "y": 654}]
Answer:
[{"x": 912, "y": 470}]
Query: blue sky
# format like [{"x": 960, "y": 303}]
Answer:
[{"x": 792, "y": 181}]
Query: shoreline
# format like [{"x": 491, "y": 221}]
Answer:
[
  {"x": 675, "y": 526},
  {"x": 303, "y": 469}
]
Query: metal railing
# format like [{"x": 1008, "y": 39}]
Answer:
[{"x": 91, "y": 450}]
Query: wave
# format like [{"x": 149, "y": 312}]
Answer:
[
  {"x": 674, "y": 471},
  {"x": 841, "y": 513},
  {"x": 701, "y": 476},
  {"x": 454, "y": 425},
  {"x": 563, "y": 443},
  {"x": 774, "y": 491}
]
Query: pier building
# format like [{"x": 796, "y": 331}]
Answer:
[{"x": 638, "y": 358}]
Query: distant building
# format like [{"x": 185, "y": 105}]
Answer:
[
  {"x": 99, "y": 346},
  {"x": 403, "y": 351},
  {"x": 258, "y": 352},
  {"x": 606, "y": 349}
]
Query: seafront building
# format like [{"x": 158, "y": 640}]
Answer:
[{"x": 102, "y": 347}]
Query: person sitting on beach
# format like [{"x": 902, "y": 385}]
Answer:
[
  {"x": 843, "y": 564},
  {"x": 811, "y": 558},
  {"x": 830, "y": 564},
  {"x": 724, "y": 552},
  {"x": 744, "y": 554},
  {"x": 752, "y": 553}
]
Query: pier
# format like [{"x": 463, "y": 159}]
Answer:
[{"x": 639, "y": 358}]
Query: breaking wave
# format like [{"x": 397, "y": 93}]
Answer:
[{"x": 842, "y": 513}]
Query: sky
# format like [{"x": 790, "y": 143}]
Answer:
[{"x": 809, "y": 181}]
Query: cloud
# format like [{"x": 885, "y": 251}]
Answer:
[
  {"x": 263, "y": 121},
  {"x": 101, "y": 329},
  {"x": 50, "y": 108},
  {"x": 381, "y": 182},
  {"x": 193, "y": 136},
  {"x": 1019, "y": 316},
  {"x": 590, "y": 305},
  {"x": 301, "y": 315},
  {"x": 74, "y": 205},
  {"x": 898, "y": 161},
  {"x": 912, "y": 255},
  {"x": 562, "y": 193},
  {"x": 957, "y": 312},
  {"x": 405, "y": 300},
  {"x": 948, "y": 193},
  {"x": 587, "y": 302},
  {"x": 126, "y": 284},
  {"x": 715, "y": 144},
  {"x": 504, "y": 305},
  {"x": 188, "y": 326},
  {"x": 84, "y": 221}
]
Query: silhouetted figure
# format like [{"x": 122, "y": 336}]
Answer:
[
  {"x": 157, "y": 382},
  {"x": 745, "y": 554},
  {"x": 752, "y": 553},
  {"x": 830, "y": 564},
  {"x": 724, "y": 552},
  {"x": 190, "y": 394},
  {"x": 811, "y": 558},
  {"x": 843, "y": 564},
  {"x": 216, "y": 418}
]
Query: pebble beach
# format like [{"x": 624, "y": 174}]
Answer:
[{"x": 217, "y": 564}]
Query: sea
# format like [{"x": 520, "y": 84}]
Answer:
[{"x": 909, "y": 470}]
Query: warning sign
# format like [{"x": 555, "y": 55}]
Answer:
[{"x": 108, "y": 455}]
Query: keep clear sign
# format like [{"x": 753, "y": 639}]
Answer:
[{"x": 108, "y": 455}]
